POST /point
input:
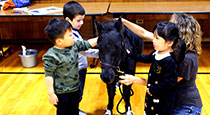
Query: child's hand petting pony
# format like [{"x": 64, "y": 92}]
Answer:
[{"x": 128, "y": 79}]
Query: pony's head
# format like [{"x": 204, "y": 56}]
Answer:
[{"x": 111, "y": 48}]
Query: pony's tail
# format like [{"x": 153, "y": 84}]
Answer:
[{"x": 179, "y": 50}]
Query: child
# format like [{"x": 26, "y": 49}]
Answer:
[
  {"x": 188, "y": 99},
  {"x": 61, "y": 66},
  {"x": 75, "y": 14},
  {"x": 162, "y": 77}
]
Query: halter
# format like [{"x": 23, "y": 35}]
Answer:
[
  {"x": 115, "y": 67},
  {"x": 109, "y": 65}
]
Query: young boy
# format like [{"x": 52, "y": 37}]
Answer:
[
  {"x": 61, "y": 66},
  {"x": 75, "y": 14}
]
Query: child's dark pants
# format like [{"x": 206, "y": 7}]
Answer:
[{"x": 68, "y": 104}]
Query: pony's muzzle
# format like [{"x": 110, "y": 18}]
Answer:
[{"x": 107, "y": 75}]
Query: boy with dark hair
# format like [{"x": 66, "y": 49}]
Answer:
[
  {"x": 75, "y": 14},
  {"x": 72, "y": 9},
  {"x": 61, "y": 66}
]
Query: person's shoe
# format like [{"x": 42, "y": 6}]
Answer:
[
  {"x": 129, "y": 112},
  {"x": 108, "y": 112},
  {"x": 118, "y": 85},
  {"x": 82, "y": 112}
]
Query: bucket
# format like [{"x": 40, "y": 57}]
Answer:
[{"x": 30, "y": 59}]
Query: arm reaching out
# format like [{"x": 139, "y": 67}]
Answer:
[
  {"x": 91, "y": 53},
  {"x": 138, "y": 30},
  {"x": 93, "y": 41},
  {"x": 53, "y": 99},
  {"x": 130, "y": 79}
]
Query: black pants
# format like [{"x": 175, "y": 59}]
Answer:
[
  {"x": 68, "y": 104},
  {"x": 82, "y": 77}
]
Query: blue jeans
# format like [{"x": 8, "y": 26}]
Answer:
[{"x": 187, "y": 110}]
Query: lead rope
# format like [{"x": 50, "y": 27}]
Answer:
[{"x": 123, "y": 95}]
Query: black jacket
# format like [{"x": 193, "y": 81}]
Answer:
[{"x": 162, "y": 79}]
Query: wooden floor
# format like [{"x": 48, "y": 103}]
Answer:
[{"x": 23, "y": 90}]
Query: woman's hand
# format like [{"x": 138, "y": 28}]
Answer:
[{"x": 53, "y": 99}]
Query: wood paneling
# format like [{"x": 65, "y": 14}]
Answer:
[
  {"x": 150, "y": 20},
  {"x": 28, "y": 27},
  {"x": 33, "y": 27},
  {"x": 22, "y": 28}
]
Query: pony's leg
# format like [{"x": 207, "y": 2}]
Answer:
[
  {"x": 127, "y": 93},
  {"x": 111, "y": 93}
]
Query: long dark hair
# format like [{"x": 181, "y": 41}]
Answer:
[{"x": 170, "y": 32}]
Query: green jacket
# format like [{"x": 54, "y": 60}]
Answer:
[{"x": 62, "y": 65}]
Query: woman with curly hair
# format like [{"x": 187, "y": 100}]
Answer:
[{"x": 188, "y": 99}]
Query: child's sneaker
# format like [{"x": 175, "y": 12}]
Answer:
[
  {"x": 82, "y": 112},
  {"x": 129, "y": 112},
  {"x": 118, "y": 85},
  {"x": 108, "y": 112}
]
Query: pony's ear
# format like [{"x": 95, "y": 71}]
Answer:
[
  {"x": 99, "y": 27},
  {"x": 119, "y": 25}
]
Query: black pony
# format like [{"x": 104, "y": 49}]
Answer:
[{"x": 114, "y": 39}]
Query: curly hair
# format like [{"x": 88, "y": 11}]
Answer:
[{"x": 189, "y": 30}]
